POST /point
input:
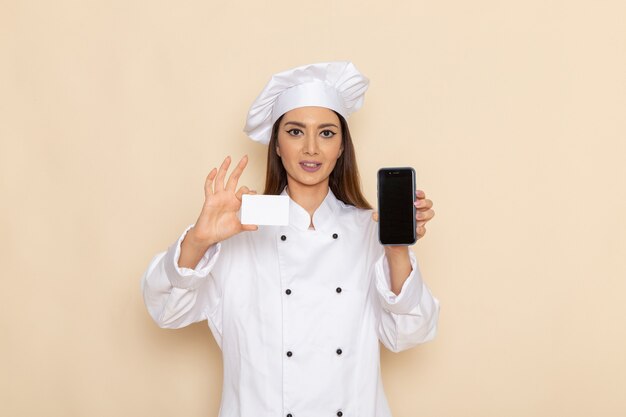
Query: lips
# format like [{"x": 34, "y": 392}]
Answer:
[{"x": 310, "y": 166}]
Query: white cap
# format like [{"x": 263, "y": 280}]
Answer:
[{"x": 335, "y": 85}]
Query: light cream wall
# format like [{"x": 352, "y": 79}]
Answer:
[{"x": 513, "y": 114}]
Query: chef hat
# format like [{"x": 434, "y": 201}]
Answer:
[{"x": 336, "y": 85}]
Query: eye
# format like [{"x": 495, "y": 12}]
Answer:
[
  {"x": 291, "y": 131},
  {"x": 327, "y": 133}
]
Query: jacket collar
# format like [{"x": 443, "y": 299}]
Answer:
[{"x": 322, "y": 217}]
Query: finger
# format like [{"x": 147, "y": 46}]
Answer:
[
  {"x": 421, "y": 231},
  {"x": 423, "y": 203},
  {"x": 208, "y": 184},
  {"x": 375, "y": 216},
  {"x": 425, "y": 215},
  {"x": 243, "y": 190},
  {"x": 420, "y": 194},
  {"x": 234, "y": 176},
  {"x": 221, "y": 174},
  {"x": 249, "y": 227}
]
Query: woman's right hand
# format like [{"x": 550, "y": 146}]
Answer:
[{"x": 218, "y": 219}]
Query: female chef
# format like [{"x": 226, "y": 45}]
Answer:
[{"x": 297, "y": 310}]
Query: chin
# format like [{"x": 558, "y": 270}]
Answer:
[{"x": 310, "y": 181}]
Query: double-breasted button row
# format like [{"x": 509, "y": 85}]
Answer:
[
  {"x": 339, "y": 351},
  {"x": 284, "y": 237},
  {"x": 290, "y": 353},
  {"x": 288, "y": 290}
]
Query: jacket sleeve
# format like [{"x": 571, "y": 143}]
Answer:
[
  {"x": 409, "y": 318},
  {"x": 176, "y": 296}
]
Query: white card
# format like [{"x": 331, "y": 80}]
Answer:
[{"x": 272, "y": 210}]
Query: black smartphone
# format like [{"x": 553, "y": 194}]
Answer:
[{"x": 396, "y": 209}]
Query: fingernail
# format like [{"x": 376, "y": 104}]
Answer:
[{"x": 418, "y": 203}]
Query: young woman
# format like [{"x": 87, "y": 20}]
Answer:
[{"x": 297, "y": 310}]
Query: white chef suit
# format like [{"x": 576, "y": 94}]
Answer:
[{"x": 297, "y": 312}]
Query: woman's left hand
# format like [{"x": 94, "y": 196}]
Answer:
[{"x": 423, "y": 213}]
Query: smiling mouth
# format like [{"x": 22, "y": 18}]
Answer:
[{"x": 310, "y": 166}]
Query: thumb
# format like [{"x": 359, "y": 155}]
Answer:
[
  {"x": 249, "y": 227},
  {"x": 243, "y": 190},
  {"x": 375, "y": 216}
]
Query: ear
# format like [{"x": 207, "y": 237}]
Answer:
[
  {"x": 277, "y": 150},
  {"x": 340, "y": 152}
]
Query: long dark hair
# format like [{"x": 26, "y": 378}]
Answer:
[{"x": 344, "y": 181}]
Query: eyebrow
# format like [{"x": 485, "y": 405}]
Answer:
[{"x": 320, "y": 126}]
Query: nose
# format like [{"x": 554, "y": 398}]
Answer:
[{"x": 310, "y": 145}]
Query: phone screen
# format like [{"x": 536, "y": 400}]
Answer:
[{"x": 396, "y": 212}]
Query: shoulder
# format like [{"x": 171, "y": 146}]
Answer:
[
  {"x": 359, "y": 223},
  {"x": 350, "y": 214}
]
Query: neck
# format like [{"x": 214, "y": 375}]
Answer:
[{"x": 309, "y": 197}]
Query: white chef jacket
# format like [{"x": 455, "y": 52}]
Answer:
[{"x": 297, "y": 312}]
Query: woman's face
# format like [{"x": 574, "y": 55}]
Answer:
[{"x": 309, "y": 144}]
